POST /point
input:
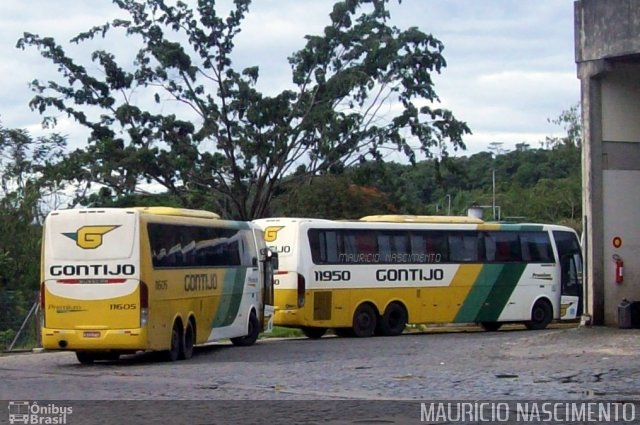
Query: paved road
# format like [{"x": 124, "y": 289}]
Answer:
[{"x": 559, "y": 364}]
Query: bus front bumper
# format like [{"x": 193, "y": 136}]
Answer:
[
  {"x": 86, "y": 339},
  {"x": 289, "y": 318}
]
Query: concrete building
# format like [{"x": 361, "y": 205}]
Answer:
[{"x": 607, "y": 49}]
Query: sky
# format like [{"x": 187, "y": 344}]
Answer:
[{"x": 510, "y": 63}]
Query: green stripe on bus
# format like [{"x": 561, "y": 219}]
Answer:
[
  {"x": 232, "y": 287},
  {"x": 501, "y": 291},
  {"x": 478, "y": 293}
]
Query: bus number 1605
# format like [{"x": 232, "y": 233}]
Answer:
[{"x": 332, "y": 275}]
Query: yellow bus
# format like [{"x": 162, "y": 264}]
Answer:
[
  {"x": 376, "y": 275},
  {"x": 121, "y": 280}
]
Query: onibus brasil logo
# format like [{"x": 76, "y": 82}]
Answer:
[
  {"x": 90, "y": 237},
  {"x": 26, "y": 412}
]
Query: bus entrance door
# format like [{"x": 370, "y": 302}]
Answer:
[{"x": 571, "y": 286}]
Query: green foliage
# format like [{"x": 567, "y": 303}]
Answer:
[
  {"x": 230, "y": 143},
  {"x": 6, "y": 337},
  {"x": 25, "y": 187},
  {"x": 537, "y": 185},
  {"x": 333, "y": 197},
  {"x": 280, "y": 332},
  {"x": 570, "y": 120}
]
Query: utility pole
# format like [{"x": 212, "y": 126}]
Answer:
[
  {"x": 494, "y": 192},
  {"x": 449, "y": 207}
]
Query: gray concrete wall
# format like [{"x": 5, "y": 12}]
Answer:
[
  {"x": 608, "y": 59},
  {"x": 606, "y": 28}
]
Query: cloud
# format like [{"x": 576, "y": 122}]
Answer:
[{"x": 510, "y": 64}]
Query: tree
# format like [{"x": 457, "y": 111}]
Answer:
[
  {"x": 25, "y": 173},
  {"x": 333, "y": 197},
  {"x": 25, "y": 185},
  {"x": 569, "y": 119},
  {"x": 229, "y": 142}
]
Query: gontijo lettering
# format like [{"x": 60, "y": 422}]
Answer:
[
  {"x": 92, "y": 270},
  {"x": 392, "y": 275},
  {"x": 200, "y": 282}
]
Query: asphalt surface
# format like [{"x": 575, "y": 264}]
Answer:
[{"x": 339, "y": 380}]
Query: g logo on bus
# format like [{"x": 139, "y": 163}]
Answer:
[
  {"x": 271, "y": 233},
  {"x": 90, "y": 237}
]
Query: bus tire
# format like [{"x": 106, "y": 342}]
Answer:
[
  {"x": 364, "y": 321},
  {"x": 490, "y": 326},
  {"x": 313, "y": 333},
  {"x": 85, "y": 357},
  {"x": 173, "y": 353},
  {"x": 344, "y": 332},
  {"x": 394, "y": 320},
  {"x": 112, "y": 356},
  {"x": 541, "y": 315},
  {"x": 186, "y": 350},
  {"x": 252, "y": 333}
]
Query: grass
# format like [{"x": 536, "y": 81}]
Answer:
[{"x": 281, "y": 332}]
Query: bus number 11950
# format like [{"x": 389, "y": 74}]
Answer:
[{"x": 332, "y": 275}]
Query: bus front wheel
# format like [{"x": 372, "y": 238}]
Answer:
[
  {"x": 364, "y": 321},
  {"x": 313, "y": 333},
  {"x": 541, "y": 315},
  {"x": 343, "y": 332},
  {"x": 252, "y": 333}
]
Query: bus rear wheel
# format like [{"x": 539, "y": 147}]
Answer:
[
  {"x": 364, "y": 321},
  {"x": 252, "y": 333},
  {"x": 541, "y": 315},
  {"x": 393, "y": 320},
  {"x": 89, "y": 357},
  {"x": 313, "y": 333},
  {"x": 186, "y": 351},
  {"x": 173, "y": 353},
  {"x": 85, "y": 357}
]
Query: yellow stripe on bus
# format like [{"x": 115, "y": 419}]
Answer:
[
  {"x": 425, "y": 305},
  {"x": 459, "y": 288}
]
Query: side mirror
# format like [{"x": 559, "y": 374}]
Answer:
[{"x": 271, "y": 256}]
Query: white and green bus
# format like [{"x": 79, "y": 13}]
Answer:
[
  {"x": 122, "y": 280},
  {"x": 378, "y": 274}
]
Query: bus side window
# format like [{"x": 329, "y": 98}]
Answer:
[
  {"x": 394, "y": 247},
  {"x": 326, "y": 247},
  {"x": 463, "y": 247},
  {"x": 536, "y": 247},
  {"x": 365, "y": 243},
  {"x": 502, "y": 247},
  {"x": 489, "y": 247},
  {"x": 332, "y": 252},
  {"x": 437, "y": 246},
  {"x": 502, "y": 251},
  {"x": 318, "y": 246}
]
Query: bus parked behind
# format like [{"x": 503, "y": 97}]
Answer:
[
  {"x": 122, "y": 280},
  {"x": 378, "y": 274}
]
